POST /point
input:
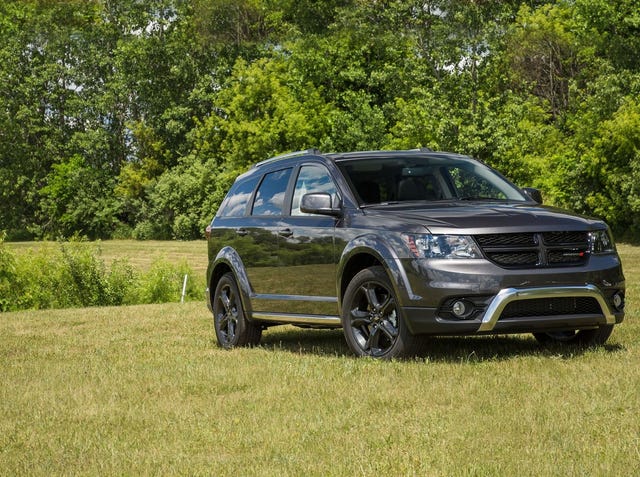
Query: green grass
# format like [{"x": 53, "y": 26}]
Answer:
[{"x": 144, "y": 390}]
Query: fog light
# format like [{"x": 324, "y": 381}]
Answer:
[
  {"x": 618, "y": 301},
  {"x": 461, "y": 309}
]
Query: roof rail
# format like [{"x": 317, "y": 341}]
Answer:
[{"x": 287, "y": 155}]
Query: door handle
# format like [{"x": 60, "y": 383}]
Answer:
[
  {"x": 242, "y": 232},
  {"x": 285, "y": 232}
]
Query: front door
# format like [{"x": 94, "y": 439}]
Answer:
[{"x": 306, "y": 250}]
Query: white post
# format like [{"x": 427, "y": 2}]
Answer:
[{"x": 184, "y": 288}]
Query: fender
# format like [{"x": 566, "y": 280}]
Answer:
[
  {"x": 228, "y": 256},
  {"x": 384, "y": 253}
]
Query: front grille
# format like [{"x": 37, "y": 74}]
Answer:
[
  {"x": 563, "y": 257},
  {"x": 563, "y": 238},
  {"x": 506, "y": 240},
  {"x": 514, "y": 258},
  {"x": 535, "y": 250},
  {"x": 552, "y": 307}
]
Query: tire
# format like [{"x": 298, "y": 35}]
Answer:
[
  {"x": 371, "y": 319},
  {"x": 230, "y": 323},
  {"x": 595, "y": 337}
]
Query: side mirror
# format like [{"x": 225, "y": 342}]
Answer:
[
  {"x": 533, "y": 194},
  {"x": 319, "y": 203}
]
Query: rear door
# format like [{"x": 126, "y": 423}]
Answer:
[{"x": 261, "y": 229}]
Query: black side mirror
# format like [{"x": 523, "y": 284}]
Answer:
[
  {"x": 319, "y": 203},
  {"x": 533, "y": 194}
]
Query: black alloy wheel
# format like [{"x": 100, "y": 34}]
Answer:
[
  {"x": 371, "y": 320},
  {"x": 231, "y": 325}
]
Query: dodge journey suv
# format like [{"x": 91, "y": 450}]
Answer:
[{"x": 395, "y": 245}]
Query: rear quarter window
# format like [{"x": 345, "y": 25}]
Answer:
[
  {"x": 235, "y": 204},
  {"x": 269, "y": 199}
]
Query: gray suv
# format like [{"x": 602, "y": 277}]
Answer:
[{"x": 395, "y": 245}]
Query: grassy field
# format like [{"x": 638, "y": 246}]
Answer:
[{"x": 145, "y": 391}]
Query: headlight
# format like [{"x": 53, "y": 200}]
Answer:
[
  {"x": 600, "y": 241},
  {"x": 442, "y": 246}
]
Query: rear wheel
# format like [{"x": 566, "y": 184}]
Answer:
[
  {"x": 594, "y": 337},
  {"x": 371, "y": 319},
  {"x": 230, "y": 323}
]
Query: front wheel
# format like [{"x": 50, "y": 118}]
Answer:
[
  {"x": 594, "y": 337},
  {"x": 230, "y": 323},
  {"x": 371, "y": 319}
]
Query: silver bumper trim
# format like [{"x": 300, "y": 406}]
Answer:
[{"x": 508, "y": 295}]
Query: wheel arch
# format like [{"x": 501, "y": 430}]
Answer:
[
  {"x": 227, "y": 261},
  {"x": 369, "y": 251}
]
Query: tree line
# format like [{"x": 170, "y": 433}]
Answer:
[{"x": 131, "y": 118}]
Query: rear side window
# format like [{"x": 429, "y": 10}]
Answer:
[
  {"x": 269, "y": 198},
  {"x": 235, "y": 204}
]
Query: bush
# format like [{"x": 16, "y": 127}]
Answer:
[
  {"x": 73, "y": 275},
  {"x": 7, "y": 274},
  {"x": 38, "y": 282},
  {"x": 163, "y": 283}
]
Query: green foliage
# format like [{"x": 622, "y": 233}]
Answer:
[
  {"x": 75, "y": 202},
  {"x": 7, "y": 274},
  {"x": 72, "y": 275},
  {"x": 604, "y": 179},
  {"x": 543, "y": 51},
  {"x": 263, "y": 110},
  {"x": 133, "y": 118},
  {"x": 163, "y": 283}
]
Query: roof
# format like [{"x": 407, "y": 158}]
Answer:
[{"x": 337, "y": 156}]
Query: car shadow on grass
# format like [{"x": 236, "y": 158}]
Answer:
[
  {"x": 306, "y": 341},
  {"x": 436, "y": 349}
]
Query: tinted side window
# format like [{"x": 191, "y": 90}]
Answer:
[
  {"x": 312, "y": 178},
  {"x": 235, "y": 204},
  {"x": 270, "y": 196}
]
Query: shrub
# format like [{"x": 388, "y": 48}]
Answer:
[
  {"x": 73, "y": 275},
  {"x": 38, "y": 282},
  {"x": 163, "y": 283},
  {"x": 7, "y": 274}
]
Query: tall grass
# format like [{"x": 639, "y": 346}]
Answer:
[{"x": 74, "y": 274}]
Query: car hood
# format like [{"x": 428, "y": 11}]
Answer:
[{"x": 480, "y": 217}]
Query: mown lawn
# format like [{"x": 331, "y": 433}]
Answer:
[{"x": 143, "y": 390}]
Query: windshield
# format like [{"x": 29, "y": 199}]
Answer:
[{"x": 402, "y": 179}]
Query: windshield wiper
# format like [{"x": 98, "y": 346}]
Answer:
[
  {"x": 377, "y": 204},
  {"x": 471, "y": 198}
]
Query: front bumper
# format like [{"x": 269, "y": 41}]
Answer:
[
  {"x": 426, "y": 320},
  {"x": 433, "y": 285}
]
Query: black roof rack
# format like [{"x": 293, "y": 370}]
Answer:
[{"x": 289, "y": 154}]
